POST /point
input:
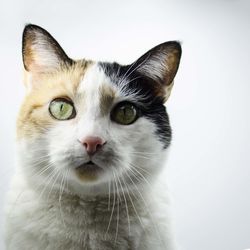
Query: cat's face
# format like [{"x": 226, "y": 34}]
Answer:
[{"x": 89, "y": 124}]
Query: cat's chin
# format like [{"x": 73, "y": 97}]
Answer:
[{"x": 88, "y": 172}]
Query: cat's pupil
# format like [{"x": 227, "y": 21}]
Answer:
[{"x": 61, "y": 107}]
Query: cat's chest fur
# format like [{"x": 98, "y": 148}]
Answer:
[
  {"x": 93, "y": 224},
  {"x": 69, "y": 222}
]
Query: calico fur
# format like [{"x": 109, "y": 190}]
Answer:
[{"x": 121, "y": 206}]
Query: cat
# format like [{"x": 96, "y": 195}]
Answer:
[{"x": 92, "y": 138}]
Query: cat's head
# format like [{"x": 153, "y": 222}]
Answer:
[{"x": 92, "y": 124}]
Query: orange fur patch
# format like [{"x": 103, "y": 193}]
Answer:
[{"x": 34, "y": 117}]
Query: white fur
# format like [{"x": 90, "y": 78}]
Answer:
[
  {"x": 156, "y": 66},
  {"x": 62, "y": 212},
  {"x": 45, "y": 58}
]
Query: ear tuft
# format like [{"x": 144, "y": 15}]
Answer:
[{"x": 41, "y": 52}]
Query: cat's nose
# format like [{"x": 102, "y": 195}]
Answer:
[{"x": 92, "y": 144}]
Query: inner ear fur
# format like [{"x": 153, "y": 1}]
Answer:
[
  {"x": 41, "y": 52},
  {"x": 160, "y": 64}
]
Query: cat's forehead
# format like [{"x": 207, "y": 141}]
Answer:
[
  {"x": 97, "y": 89},
  {"x": 96, "y": 82}
]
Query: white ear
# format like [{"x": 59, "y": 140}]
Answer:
[
  {"x": 161, "y": 64},
  {"x": 41, "y": 52}
]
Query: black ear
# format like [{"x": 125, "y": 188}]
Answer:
[
  {"x": 41, "y": 52},
  {"x": 161, "y": 64}
]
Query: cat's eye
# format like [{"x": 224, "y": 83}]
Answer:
[
  {"x": 124, "y": 113},
  {"x": 62, "y": 109}
]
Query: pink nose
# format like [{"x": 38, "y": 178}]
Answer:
[{"x": 92, "y": 144}]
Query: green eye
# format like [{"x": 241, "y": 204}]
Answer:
[
  {"x": 62, "y": 109},
  {"x": 124, "y": 113}
]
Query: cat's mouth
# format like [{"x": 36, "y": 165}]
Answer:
[{"x": 88, "y": 171}]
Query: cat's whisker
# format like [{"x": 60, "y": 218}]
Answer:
[
  {"x": 44, "y": 168},
  {"x": 144, "y": 153},
  {"x": 144, "y": 170},
  {"x": 133, "y": 79},
  {"x": 109, "y": 195},
  {"x": 118, "y": 72},
  {"x": 125, "y": 75},
  {"x": 53, "y": 184},
  {"x": 50, "y": 177},
  {"x": 143, "y": 157},
  {"x": 141, "y": 169},
  {"x": 113, "y": 207},
  {"x": 139, "y": 178},
  {"x": 145, "y": 203},
  {"x": 38, "y": 163},
  {"x": 60, "y": 198},
  {"x": 126, "y": 205},
  {"x": 40, "y": 160},
  {"x": 42, "y": 171},
  {"x": 67, "y": 179},
  {"x": 133, "y": 168},
  {"x": 128, "y": 73},
  {"x": 131, "y": 201},
  {"x": 118, "y": 208}
]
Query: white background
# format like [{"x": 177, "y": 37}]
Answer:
[{"x": 208, "y": 168}]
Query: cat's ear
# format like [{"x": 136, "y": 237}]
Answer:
[
  {"x": 161, "y": 64},
  {"x": 41, "y": 52}
]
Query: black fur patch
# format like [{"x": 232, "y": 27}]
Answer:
[{"x": 151, "y": 105}]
